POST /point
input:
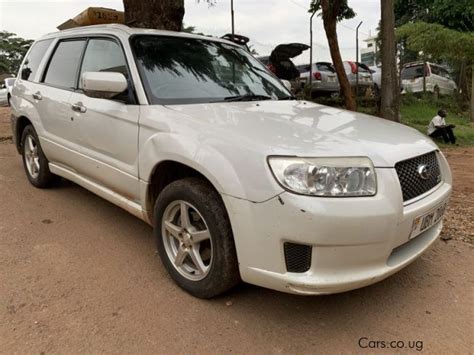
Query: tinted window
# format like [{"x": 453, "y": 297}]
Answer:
[
  {"x": 303, "y": 68},
  {"x": 104, "y": 55},
  {"x": 412, "y": 72},
  {"x": 325, "y": 67},
  {"x": 435, "y": 70},
  {"x": 187, "y": 70},
  {"x": 64, "y": 66},
  {"x": 363, "y": 68},
  {"x": 33, "y": 60},
  {"x": 445, "y": 73}
]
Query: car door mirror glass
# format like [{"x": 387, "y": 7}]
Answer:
[{"x": 104, "y": 85}]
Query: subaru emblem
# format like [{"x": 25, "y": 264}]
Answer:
[{"x": 424, "y": 171}]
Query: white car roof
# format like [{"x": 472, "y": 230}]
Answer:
[{"x": 123, "y": 30}]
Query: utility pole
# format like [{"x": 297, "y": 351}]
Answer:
[
  {"x": 357, "y": 60},
  {"x": 311, "y": 52},
  {"x": 232, "y": 15}
]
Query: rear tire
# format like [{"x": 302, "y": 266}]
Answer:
[
  {"x": 34, "y": 161},
  {"x": 197, "y": 249}
]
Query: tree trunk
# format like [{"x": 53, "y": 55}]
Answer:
[
  {"x": 472, "y": 93},
  {"x": 390, "y": 92},
  {"x": 158, "y": 14},
  {"x": 330, "y": 23}
]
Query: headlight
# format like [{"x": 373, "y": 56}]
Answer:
[{"x": 332, "y": 177}]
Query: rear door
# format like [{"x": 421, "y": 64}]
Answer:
[
  {"x": 450, "y": 85},
  {"x": 436, "y": 79},
  {"x": 106, "y": 130},
  {"x": 51, "y": 98}
]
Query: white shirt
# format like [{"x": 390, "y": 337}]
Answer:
[{"x": 436, "y": 122}]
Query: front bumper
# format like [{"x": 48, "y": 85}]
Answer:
[{"x": 355, "y": 241}]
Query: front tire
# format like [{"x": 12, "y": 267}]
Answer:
[
  {"x": 34, "y": 161},
  {"x": 194, "y": 238}
]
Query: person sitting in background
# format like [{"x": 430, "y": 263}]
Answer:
[{"x": 439, "y": 128}]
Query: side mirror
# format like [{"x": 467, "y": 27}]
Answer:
[
  {"x": 287, "y": 84},
  {"x": 103, "y": 85}
]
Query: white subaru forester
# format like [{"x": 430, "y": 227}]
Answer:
[{"x": 239, "y": 180}]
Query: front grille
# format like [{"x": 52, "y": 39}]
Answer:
[
  {"x": 297, "y": 257},
  {"x": 411, "y": 181}
]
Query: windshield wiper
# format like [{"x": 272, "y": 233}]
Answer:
[{"x": 247, "y": 97}]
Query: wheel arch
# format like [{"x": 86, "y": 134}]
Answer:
[
  {"x": 21, "y": 123},
  {"x": 164, "y": 173}
]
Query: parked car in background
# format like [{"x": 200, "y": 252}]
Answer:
[
  {"x": 377, "y": 78},
  {"x": 324, "y": 78},
  {"x": 240, "y": 180},
  {"x": 437, "y": 78},
  {"x": 365, "y": 75},
  {"x": 3, "y": 95},
  {"x": 9, "y": 82},
  {"x": 280, "y": 62}
]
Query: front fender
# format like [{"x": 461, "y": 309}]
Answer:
[{"x": 232, "y": 167}]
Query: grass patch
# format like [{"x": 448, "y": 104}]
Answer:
[{"x": 417, "y": 112}]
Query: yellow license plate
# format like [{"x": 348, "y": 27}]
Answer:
[{"x": 427, "y": 220}]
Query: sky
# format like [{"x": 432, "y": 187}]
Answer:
[{"x": 266, "y": 22}]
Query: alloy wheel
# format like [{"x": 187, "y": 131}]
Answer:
[
  {"x": 187, "y": 240},
  {"x": 32, "y": 157}
]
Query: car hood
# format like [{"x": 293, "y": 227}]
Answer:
[{"x": 301, "y": 128}]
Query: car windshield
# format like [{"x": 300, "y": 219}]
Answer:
[
  {"x": 412, "y": 72},
  {"x": 180, "y": 70}
]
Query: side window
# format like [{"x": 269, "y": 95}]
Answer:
[
  {"x": 104, "y": 55},
  {"x": 445, "y": 73},
  {"x": 64, "y": 65},
  {"x": 33, "y": 60},
  {"x": 435, "y": 70}
]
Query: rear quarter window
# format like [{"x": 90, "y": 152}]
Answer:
[
  {"x": 435, "y": 70},
  {"x": 33, "y": 59}
]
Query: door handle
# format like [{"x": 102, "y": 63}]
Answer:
[
  {"x": 78, "y": 107},
  {"x": 37, "y": 96}
]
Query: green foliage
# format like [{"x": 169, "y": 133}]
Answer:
[
  {"x": 341, "y": 9},
  {"x": 437, "y": 41},
  {"x": 12, "y": 51},
  {"x": 457, "y": 15},
  {"x": 188, "y": 29}
]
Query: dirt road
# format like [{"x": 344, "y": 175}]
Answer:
[{"x": 79, "y": 275}]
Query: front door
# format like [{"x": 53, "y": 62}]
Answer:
[{"x": 106, "y": 130}]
